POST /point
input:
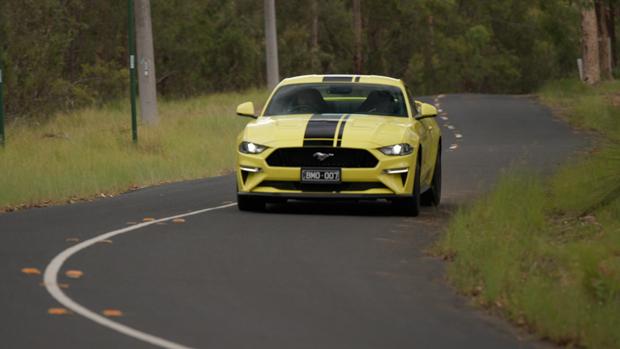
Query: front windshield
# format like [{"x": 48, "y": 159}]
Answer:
[{"x": 338, "y": 98}]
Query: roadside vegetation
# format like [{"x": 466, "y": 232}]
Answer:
[
  {"x": 89, "y": 152},
  {"x": 545, "y": 252}
]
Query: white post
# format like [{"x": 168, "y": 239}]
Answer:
[
  {"x": 580, "y": 68},
  {"x": 146, "y": 63},
  {"x": 271, "y": 44}
]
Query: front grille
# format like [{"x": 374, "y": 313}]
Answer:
[
  {"x": 345, "y": 186},
  {"x": 304, "y": 157}
]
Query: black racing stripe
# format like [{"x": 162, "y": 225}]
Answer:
[
  {"x": 347, "y": 78},
  {"x": 341, "y": 131},
  {"x": 357, "y": 79},
  {"x": 321, "y": 129}
]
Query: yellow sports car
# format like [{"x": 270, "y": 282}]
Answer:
[{"x": 353, "y": 137}]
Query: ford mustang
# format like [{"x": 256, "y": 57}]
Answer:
[{"x": 356, "y": 137}]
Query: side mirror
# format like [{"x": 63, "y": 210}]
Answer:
[
  {"x": 246, "y": 109},
  {"x": 426, "y": 111}
]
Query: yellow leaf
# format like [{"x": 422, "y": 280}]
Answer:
[
  {"x": 112, "y": 313},
  {"x": 57, "y": 311},
  {"x": 31, "y": 271},
  {"x": 74, "y": 274}
]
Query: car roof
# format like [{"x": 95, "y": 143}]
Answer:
[{"x": 364, "y": 79}]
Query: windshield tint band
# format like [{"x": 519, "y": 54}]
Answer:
[
  {"x": 321, "y": 129},
  {"x": 345, "y": 78}
]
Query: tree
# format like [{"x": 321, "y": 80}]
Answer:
[
  {"x": 590, "y": 43},
  {"x": 604, "y": 39},
  {"x": 146, "y": 63},
  {"x": 271, "y": 44},
  {"x": 358, "y": 61}
]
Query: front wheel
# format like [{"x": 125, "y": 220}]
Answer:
[
  {"x": 410, "y": 206},
  {"x": 250, "y": 203}
]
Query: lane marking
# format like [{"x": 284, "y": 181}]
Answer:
[{"x": 50, "y": 279}]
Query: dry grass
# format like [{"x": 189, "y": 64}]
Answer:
[
  {"x": 546, "y": 252},
  {"x": 88, "y": 152}
]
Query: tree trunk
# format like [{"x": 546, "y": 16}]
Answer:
[
  {"x": 604, "y": 42},
  {"x": 271, "y": 44},
  {"x": 611, "y": 29},
  {"x": 315, "y": 37},
  {"x": 429, "y": 52},
  {"x": 146, "y": 63},
  {"x": 589, "y": 41},
  {"x": 358, "y": 62}
]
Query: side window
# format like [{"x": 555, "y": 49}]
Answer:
[{"x": 412, "y": 102}]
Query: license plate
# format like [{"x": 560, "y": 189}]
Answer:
[{"x": 322, "y": 175}]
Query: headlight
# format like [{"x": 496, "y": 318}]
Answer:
[
  {"x": 251, "y": 148},
  {"x": 397, "y": 149}
]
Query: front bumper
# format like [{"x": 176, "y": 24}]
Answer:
[{"x": 256, "y": 178}]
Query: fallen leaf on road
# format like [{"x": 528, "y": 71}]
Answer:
[
  {"x": 74, "y": 274},
  {"x": 31, "y": 271},
  {"x": 178, "y": 220},
  {"x": 57, "y": 311},
  {"x": 148, "y": 219},
  {"x": 112, "y": 313},
  {"x": 105, "y": 241}
]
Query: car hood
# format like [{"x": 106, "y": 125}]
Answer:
[{"x": 358, "y": 131}]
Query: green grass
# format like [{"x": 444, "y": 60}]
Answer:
[
  {"x": 545, "y": 252},
  {"x": 88, "y": 152}
]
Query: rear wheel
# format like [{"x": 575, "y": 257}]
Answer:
[
  {"x": 410, "y": 206},
  {"x": 432, "y": 197},
  {"x": 250, "y": 203}
]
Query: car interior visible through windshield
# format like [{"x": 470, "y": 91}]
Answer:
[{"x": 338, "y": 98}]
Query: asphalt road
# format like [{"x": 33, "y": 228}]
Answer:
[{"x": 304, "y": 275}]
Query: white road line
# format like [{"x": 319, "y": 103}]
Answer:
[
  {"x": 458, "y": 135},
  {"x": 50, "y": 279}
]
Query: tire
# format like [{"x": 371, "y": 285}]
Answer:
[
  {"x": 411, "y": 206},
  {"x": 249, "y": 203},
  {"x": 432, "y": 197}
]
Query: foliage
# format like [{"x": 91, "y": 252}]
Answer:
[
  {"x": 545, "y": 253},
  {"x": 61, "y": 55}
]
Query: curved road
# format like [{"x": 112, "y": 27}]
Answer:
[{"x": 304, "y": 275}]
